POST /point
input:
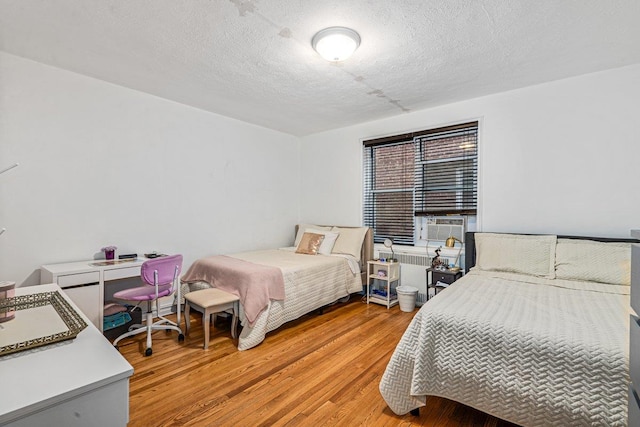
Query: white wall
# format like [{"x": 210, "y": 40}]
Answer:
[
  {"x": 101, "y": 164},
  {"x": 560, "y": 157}
]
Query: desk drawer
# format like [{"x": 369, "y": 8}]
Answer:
[
  {"x": 122, "y": 273},
  {"x": 439, "y": 276},
  {"x": 68, "y": 280}
]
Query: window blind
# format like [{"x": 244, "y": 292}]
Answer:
[
  {"x": 430, "y": 172},
  {"x": 389, "y": 191},
  {"x": 447, "y": 172}
]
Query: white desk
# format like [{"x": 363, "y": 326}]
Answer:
[
  {"x": 80, "y": 382},
  {"x": 84, "y": 282}
]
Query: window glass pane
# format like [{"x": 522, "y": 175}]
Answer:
[
  {"x": 394, "y": 167},
  {"x": 447, "y": 172}
]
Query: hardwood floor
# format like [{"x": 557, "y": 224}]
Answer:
[{"x": 319, "y": 370}]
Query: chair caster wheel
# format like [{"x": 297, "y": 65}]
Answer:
[
  {"x": 148, "y": 352},
  {"x": 181, "y": 338}
]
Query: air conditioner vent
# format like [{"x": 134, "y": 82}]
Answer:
[{"x": 442, "y": 227}]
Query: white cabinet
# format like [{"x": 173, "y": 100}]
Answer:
[
  {"x": 80, "y": 382},
  {"x": 382, "y": 280}
]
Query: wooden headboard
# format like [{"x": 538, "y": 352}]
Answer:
[{"x": 470, "y": 244}]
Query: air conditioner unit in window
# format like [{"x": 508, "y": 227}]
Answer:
[{"x": 440, "y": 228}]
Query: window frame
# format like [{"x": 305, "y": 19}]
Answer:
[{"x": 466, "y": 201}]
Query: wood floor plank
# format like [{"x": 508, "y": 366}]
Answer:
[{"x": 318, "y": 370}]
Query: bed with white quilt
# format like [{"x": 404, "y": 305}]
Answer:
[
  {"x": 275, "y": 286},
  {"x": 536, "y": 333}
]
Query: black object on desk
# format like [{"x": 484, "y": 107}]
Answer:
[
  {"x": 444, "y": 277},
  {"x": 154, "y": 255},
  {"x": 127, "y": 256}
]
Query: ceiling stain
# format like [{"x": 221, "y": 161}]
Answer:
[
  {"x": 397, "y": 104},
  {"x": 285, "y": 32},
  {"x": 379, "y": 93},
  {"x": 244, "y": 7}
]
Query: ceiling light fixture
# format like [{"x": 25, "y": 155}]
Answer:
[{"x": 336, "y": 43}]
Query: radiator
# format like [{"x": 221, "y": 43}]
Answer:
[
  {"x": 421, "y": 299},
  {"x": 413, "y": 271},
  {"x": 411, "y": 259}
]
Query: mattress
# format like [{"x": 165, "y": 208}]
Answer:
[
  {"x": 310, "y": 282},
  {"x": 533, "y": 351}
]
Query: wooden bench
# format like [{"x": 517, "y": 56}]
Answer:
[{"x": 208, "y": 302}]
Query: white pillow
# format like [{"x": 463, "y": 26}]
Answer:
[
  {"x": 303, "y": 227},
  {"x": 349, "y": 241},
  {"x": 591, "y": 261},
  {"x": 329, "y": 241},
  {"x": 516, "y": 253}
]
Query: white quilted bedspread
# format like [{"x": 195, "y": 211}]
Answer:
[
  {"x": 532, "y": 351},
  {"x": 310, "y": 282}
]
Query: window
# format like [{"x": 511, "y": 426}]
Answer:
[{"x": 430, "y": 172}]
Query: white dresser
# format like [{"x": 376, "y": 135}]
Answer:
[
  {"x": 634, "y": 326},
  {"x": 80, "y": 382}
]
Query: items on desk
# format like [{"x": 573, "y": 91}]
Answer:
[
  {"x": 127, "y": 256},
  {"x": 109, "y": 251},
  {"x": 111, "y": 262},
  {"x": 154, "y": 255}
]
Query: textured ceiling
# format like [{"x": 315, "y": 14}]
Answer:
[{"x": 252, "y": 59}]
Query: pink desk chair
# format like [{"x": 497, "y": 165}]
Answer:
[{"x": 160, "y": 277}]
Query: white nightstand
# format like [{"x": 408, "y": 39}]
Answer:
[{"x": 382, "y": 280}]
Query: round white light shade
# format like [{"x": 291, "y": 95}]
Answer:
[{"x": 336, "y": 43}]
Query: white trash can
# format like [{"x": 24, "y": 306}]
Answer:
[{"x": 407, "y": 296}]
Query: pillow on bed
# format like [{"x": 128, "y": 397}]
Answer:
[
  {"x": 309, "y": 243},
  {"x": 304, "y": 227},
  {"x": 516, "y": 253},
  {"x": 329, "y": 241},
  {"x": 349, "y": 241},
  {"x": 591, "y": 261}
]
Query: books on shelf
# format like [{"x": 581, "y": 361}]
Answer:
[{"x": 375, "y": 297}]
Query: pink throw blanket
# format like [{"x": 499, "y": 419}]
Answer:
[{"x": 254, "y": 284}]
